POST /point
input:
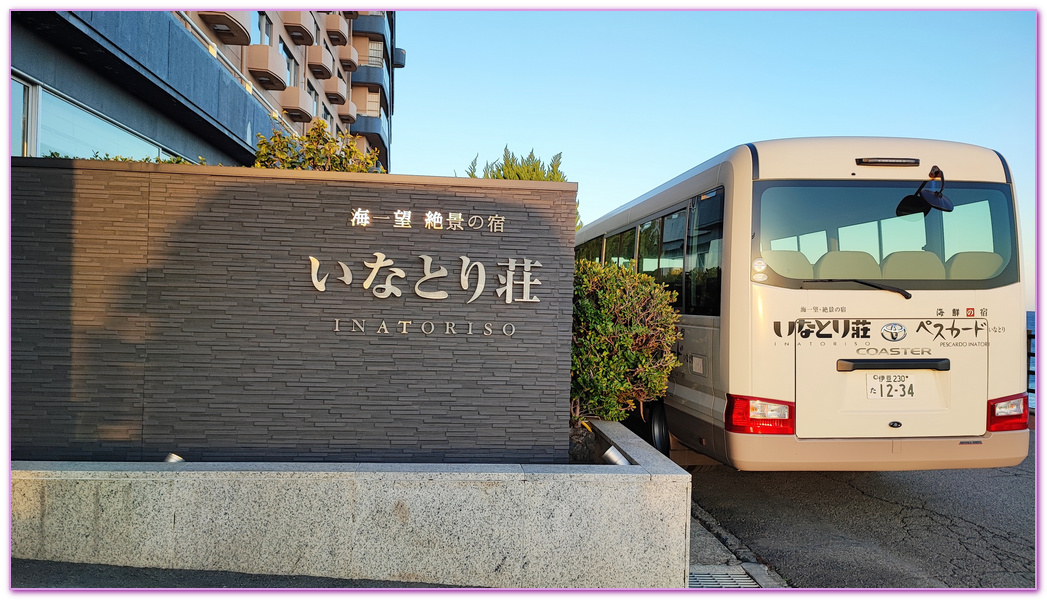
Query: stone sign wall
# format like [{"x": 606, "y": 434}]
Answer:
[{"x": 233, "y": 314}]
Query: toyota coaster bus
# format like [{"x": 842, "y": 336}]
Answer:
[{"x": 847, "y": 304}]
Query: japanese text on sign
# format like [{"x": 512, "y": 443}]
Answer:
[{"x": 517, "y": 278}]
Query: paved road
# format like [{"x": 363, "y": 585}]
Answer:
[{"x": 958, "y": 528}]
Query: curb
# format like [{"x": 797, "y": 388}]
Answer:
[{"x": 762, "y": 573}]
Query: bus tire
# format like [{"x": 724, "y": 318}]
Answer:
[{"x": 659, "y": 427}]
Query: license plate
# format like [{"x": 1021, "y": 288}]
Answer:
[{"x": 891, "y": 385}]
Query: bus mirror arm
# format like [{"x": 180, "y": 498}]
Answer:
[
  {"x": 880, "y": 286},
  {"x": 924, "y": 200}
]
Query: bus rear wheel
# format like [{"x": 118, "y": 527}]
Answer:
[{"x": 659, "y": 428}]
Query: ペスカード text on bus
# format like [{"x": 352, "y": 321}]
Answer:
[{"x": 846, "y": 304}]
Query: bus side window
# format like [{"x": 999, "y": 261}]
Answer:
[
  {"x": 610, "y": 251},
  {"x": 670, "y": 267},
  {"x": 704, "y": 245},
  {"x": 650, "y": 250},
  {"x": 627, "y": 248},
  {"x": 589, "y": 250}
]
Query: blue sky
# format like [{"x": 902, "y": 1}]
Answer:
[{"x": 634, "y": 98}]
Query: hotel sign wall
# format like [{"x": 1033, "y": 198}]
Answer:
[{"x": 242, "y": 314}]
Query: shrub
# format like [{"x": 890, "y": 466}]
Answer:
[
  {"x": 624, "y": 329},
  {"x": 317, "y": 150}
]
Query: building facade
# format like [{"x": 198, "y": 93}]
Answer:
[{"x": 197, "y": 84}]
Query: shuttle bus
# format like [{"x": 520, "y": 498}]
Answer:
[{"x": 846, "y": 304}]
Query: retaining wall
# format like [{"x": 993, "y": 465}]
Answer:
[{"x": 502, "y": 526}]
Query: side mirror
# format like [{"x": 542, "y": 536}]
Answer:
[{"x": 924, "y": 200}]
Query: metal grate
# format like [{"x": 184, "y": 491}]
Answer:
[{"x": 720, "y": 577}]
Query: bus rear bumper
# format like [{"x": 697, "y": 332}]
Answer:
[{"x": 748, "y": 452}]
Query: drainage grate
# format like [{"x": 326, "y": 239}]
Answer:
[{"x": 720, "y": 577}]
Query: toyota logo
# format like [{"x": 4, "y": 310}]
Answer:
[{"x": 893, "y": 332}]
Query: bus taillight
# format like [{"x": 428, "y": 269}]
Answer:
[
  {"x": 759, "y": 415},
  {"x": 1008, "y": 414}
]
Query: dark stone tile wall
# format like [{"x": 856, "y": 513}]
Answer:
[{"x": 163, "y": 308}]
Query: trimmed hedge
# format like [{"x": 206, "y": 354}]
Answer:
[{"x": 624, "y": 329}]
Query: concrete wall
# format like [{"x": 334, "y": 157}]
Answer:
[
  {"x": 165, "y": 308},
  {"x": 509, "y": 525}
]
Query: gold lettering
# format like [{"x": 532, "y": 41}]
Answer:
[
  {"x": 336, "y": 324},
  {"x": 487, "y": 329},
  {"x": 403, "y": 325},
  {"x": 449, "y": 328},
  {"x": 431, "y": 327},
  {"x": 382, "y": 328},
  {"x": 359, "y": 324}
]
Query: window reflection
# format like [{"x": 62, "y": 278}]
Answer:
[
  {"x": 19, "y": 117},
  {"x": 68, "y": 130}
]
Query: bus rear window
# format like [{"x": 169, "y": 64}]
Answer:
[{"x": 810, "y": 230}]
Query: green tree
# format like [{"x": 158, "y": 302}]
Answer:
[
  {"x": 528, "y": 168},
  {"x": 317, "y": 150},
  {"x": 623, "y": 332}
]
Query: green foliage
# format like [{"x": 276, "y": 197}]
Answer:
[
  {"x": 317, "y": 150},
  {"x": 530, "y": 168},
  {"x": 171, "y": 160},
  {"x": 623, "y": 334}
]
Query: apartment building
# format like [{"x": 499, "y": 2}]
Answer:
[{"x": 197, "y": 83}]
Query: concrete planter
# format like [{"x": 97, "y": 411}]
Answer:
[{"x": 476, "y": 525}]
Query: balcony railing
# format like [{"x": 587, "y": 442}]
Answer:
[
  {"x": 337, "y": 28},
  {"x": 267, "y": 66},
  {"x": 232, "y": 27},
  {"x": 336, "y": 90},
  {"x": 349, "y": 57},
  {"x": 297, "y": 104},
  {"x": 299, "y": 25},
  {"x": 202, "y": 38},
  {"x": 320, "y": 61}
]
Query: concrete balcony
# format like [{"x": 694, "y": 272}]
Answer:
[
  {"x": 349, "y": 57},
  {"x": 373, "y": 77},
  {"x": 347, "y": 112},
  {"x": 337, "y": 28},
  {"x": 337, "y": 90},
  {"x": 299, "y": 25},
  {"x": 373, "y": 25},
  {"x": 297, "y": 104},
  {"x": 231, "y": 27},
  {"x": 267, "y": 66},
  {"x": 320, "y": 62}
]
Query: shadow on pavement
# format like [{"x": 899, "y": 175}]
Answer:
[{"x": 48, "y": 574}]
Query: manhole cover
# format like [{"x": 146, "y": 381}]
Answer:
[{"x": 720, "y": 577}]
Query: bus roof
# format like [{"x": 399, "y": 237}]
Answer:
[{"x": 813, "y": 158}]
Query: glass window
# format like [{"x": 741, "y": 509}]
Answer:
[
  {"x": 589, "y": 250},
  {"x": 704, "y": 254},
  {"x": 68, "y": 130},
  {"x": 976, "y": 241},
  {"x": 376, "y": 54},
  {"x": 649, "y": 251},
  {"x": 965, "y": 229},
  {"x": 292, "y": 65},
  {"x": 670, "y": 265},
  {"x": 262, "y": 29},
  {"x": 627, "y": 249},
  {"x": 610, "y": 249},
  {"x": 374, "y": 104},
  {"x": 314, "y": 97},
  {"x": 19, "y": 117}
]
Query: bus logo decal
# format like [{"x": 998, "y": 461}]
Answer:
[{"x": 893, "y": 332}]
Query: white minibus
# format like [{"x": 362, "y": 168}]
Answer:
[{"x": 846, "y": 304}]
